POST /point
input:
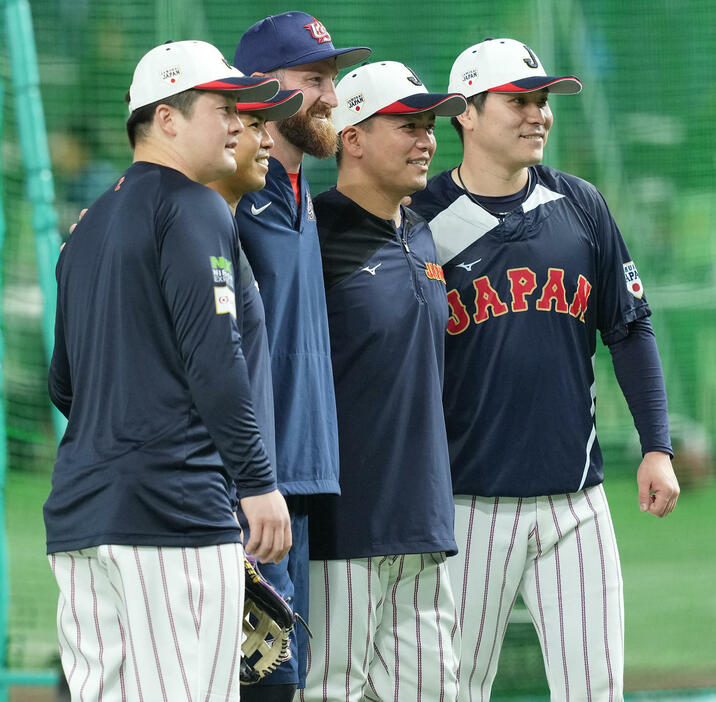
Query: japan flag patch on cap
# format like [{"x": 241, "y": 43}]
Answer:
[
  {"x": 355, "y": 103},
  {"x": 633, "y": 281}
]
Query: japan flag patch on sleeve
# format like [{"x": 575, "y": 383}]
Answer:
[
  {"x": 633, "y": 281},
  {"x": 225, "y": 301}
]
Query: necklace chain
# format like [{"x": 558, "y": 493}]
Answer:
[{"x": 475, "y": 200}]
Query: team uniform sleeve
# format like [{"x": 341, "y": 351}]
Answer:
[
  {"x": 638, "y": 369},
  {"x": 620, "y": 292},
  {"x": 198, "y": 258},
  {"x": 59, "y": 381}
]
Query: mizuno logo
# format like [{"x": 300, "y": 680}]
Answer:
[
  {"x": 468, "y": 266},
  {"x": 372, "y": 270},
  {"x": 256, "y": 211}
]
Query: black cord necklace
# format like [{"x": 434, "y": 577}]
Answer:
[{"x": 478, "y": 203}]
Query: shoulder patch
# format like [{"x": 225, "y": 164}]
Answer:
[
  {"x": 222, "y": 270},
  {"x": 434, "y": 271},
  {"x": 633, "y": 282},
  {"x": 225, "y": 301}
]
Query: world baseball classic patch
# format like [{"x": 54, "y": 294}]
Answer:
[{"x": 633, "y": 281}]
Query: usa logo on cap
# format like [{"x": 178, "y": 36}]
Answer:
[
  {"x": 318, "y": 31},
  {"x": 354, "y": 103}
]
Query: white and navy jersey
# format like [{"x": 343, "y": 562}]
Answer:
[
  {"x": 148, "y": 367},
  {"x": 387, "y": 313},
  {"x": 281, "y": 243},
  {"x": 527, "y": 294}
]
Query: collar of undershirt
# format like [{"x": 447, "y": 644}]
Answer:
[
  {"x": 502, "y": 205},
  {"x": 293, "y": 177}
]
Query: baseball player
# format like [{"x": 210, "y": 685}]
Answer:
[
  {"x": 277, "y": 226},
  {"x": 251, "y": 155},
  {"x": 382, "y": 612},
  {"x": 535, "y": 266},
  {"x": 148, "y": 368}
]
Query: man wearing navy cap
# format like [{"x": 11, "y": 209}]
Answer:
[
  {"x": 382, "y": 612},
  {"x": 277, "y": 226}
]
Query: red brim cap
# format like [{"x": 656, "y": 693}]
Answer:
[
  {"x": 255, "y": 88},
  {"x": 282, "y": 105},
  {"x": 442, "y": 104},
  {"x": 561, "y": 85}
]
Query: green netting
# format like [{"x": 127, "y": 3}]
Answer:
[{"x": 641, "y": 131}]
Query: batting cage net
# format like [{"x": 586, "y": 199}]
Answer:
[{"x": 641, "y": 130}]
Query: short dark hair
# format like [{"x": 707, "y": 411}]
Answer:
[
  {"x": 478, "y": 100},
  {"x": 141, "y": 119},
  {"x": 365, "y": 123}
]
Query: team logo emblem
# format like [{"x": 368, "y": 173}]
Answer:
[
  {"x": 225, "y": 301},
  {"x": 434, "y": 271},
  {"x": 532, "y": 61},
  {"x": 469, "y": 76},
  {"x": 318, "y": 31},
  {"x": 355, "y": 103},
  {"x": 413, "y": 77},
  {"x": 170, "y": 75},
  {"x": 119, "y": 184},
  {"x": 633, "y": 281},
  {"x": 310, "y": 216}
]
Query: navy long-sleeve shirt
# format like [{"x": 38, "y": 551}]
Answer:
[{"x": 149, "y": 369}]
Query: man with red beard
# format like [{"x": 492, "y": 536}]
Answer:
[{"x": 277, "y": 226}]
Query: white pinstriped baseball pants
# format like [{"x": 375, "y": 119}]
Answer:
[
  {"x": 559, "y": 552},
  {"x": 151, "y": 624},
  {"x": 384, "y": 630}
]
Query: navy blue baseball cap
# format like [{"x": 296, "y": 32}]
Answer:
[
  {"x": 291, "y": 39},
  {"x": 282, "y": 105}
]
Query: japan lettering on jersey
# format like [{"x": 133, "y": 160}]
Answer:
[{"x": 527, "y": 294}]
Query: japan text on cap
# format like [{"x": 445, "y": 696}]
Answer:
[
  {"x": 388, "y": 88},
  {"x": 177, "y": 66},
  {"x": 282, "y": 105},
  {"x": 291, "y": 39},
  {"x": 504, "y": 66}
]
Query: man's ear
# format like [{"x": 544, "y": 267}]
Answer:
[
  {"x": 165, "y": 119},
  {"x": 257, "y": 74},
  {"x": 468, "y": 118},
  {"x": 352, "y": 140}
]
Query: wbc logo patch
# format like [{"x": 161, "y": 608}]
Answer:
[
  {"x": 355, "y": 103},
  {"x": 469, "y": 76},
  {"x": 170, "y": 75},
  {"x": 633, "y": 281},
  {"x": 318, "y": 31}
]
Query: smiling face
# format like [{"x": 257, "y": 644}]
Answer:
[
  {"x": 252, "y": 153},
  {"x": 512, "y": 129},
  {"x": 397, "y": 150},
  {"x": 311, "y": 129}
]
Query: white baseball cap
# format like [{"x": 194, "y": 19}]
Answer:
[
  {"x": 177, "y": 66},
  {"x": 504, "y": 66},
  {"x": 388, "y": 88}
]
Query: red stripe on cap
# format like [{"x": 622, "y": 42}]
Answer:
[
  {"x": 249, "y": 106},
  {"x": 225, "y": 85},
  {"x": 512, "y": 88},
  {"x": 400, "y": 108},
  {"x": 397, "y": 108}
]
